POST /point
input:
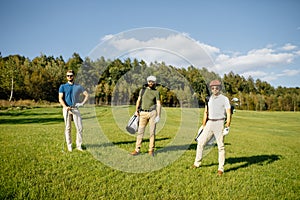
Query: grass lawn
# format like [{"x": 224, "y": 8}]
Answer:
[{"x": 262, "y": 157}]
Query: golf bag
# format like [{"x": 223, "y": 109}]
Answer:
[
  {"x": 133, "y": 124},
  {"x": 210, "y": 142},
  {"x": 199, "y": 133},
  {"x": 201, "y": 127}
]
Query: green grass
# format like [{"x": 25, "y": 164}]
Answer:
[{"x": 262, "y": 158}]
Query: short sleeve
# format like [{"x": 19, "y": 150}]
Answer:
[
  {"x": 140, "y": 93},
  {"x": 61, "y": 89},
  {"x": 157, "y": 96},
  {"x": 227, "y": 103}
]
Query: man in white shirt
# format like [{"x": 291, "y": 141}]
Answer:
[{"x": 216, "y": 111}]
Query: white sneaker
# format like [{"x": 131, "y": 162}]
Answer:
[
  {"x": 79, "y": 149},
  {"x": 70, "y": 148}
]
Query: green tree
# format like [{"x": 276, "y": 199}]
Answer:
[
  {"x": 74, "y": 63},
  {"x": 264, "y": 88},
  {"x": 12, "y": 69}
]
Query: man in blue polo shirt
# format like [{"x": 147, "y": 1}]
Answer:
[{"x": 69, "y": 98}]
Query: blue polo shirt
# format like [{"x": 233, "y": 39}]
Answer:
[{"x": 71, "y": 93}]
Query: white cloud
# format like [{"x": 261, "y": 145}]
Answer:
[
  {"x": 179, "y": 50},
  {"x": 197, "y": 53},
  {"x": 271, "y": 76},
  {"x": 107, "y": 37},
  {"x": 256, "y": 58},
  {"x": 254, "y": 74},
  {"x": 290, "y": 72},
  {"x": 289, "y": 47},
  {"x": 297, "y": 53}
]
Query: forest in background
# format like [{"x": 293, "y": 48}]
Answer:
[{"x": 117, "y": 82}]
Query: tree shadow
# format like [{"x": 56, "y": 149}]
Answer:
[
  {"x": 252, "y": 160},
  {"x": 32, "y": 120},
  {"x": 29, "y": 116},
  {"x": 39, "y": 117}
]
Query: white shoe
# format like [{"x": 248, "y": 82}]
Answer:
[
  {"x": 79, "y": 149},
  {"x": 70, "y": 148}
]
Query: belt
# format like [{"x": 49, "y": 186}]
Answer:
[
  {"x": 73, "y": 107},
  {"x": 216, "y": 119},
  {"x": 146, "y": 110}
]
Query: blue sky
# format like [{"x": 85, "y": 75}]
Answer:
[{"x": 260, "y": 38}]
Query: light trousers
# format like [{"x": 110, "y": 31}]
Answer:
[
  {"x": 145, "y": 118},
  {"x": 212, "y": 128},
  {"x": 78, "y": 124}
]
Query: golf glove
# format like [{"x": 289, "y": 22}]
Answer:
[
  {"x": 226, "y": 131},
  {"x": 156, "y": 120},
  {"x": 77, "y": 105}
]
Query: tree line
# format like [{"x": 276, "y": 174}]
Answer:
[{"x": 117, "y": 82}]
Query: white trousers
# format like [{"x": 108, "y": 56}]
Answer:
[
  {"x": 78, "y": 124},
  {"x": 212, "y": 128}
]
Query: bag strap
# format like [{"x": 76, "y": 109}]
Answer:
[
  {"x": 142, "y": 94},
  {"x": 206, "y": 103}
]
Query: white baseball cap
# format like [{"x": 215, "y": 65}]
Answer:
[{"x": 151, "y": 78}]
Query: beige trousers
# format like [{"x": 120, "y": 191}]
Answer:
[
  {"x": 212, "y": 128},
  {"x": 78, "y": 124},
  {"x": 146, "y": 117}
]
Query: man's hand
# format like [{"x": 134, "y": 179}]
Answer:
[
  {"x": 67, "y": 108},
  {"x": 226, "y": 131},
  {"x": 77, "y": 105},
  {"x": 157, "y": 118}
]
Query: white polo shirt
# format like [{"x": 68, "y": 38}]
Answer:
[{"x": 217, "y": 106}]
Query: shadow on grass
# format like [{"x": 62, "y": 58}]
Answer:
[
  {"x": 194, "y": 146},
  {"x": 31, "y": 120},
  {"x": 122, "y": 142},
  {"x": 34, "y": 117},
  {"x": 29, "y": 116},
  {"x": 144, "y": 140},
  {"x": 251, "y": 160}
]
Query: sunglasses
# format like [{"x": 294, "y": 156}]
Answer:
[
  {"x": 69, "y": 75},
  {"x": 215, "y": 88}
]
